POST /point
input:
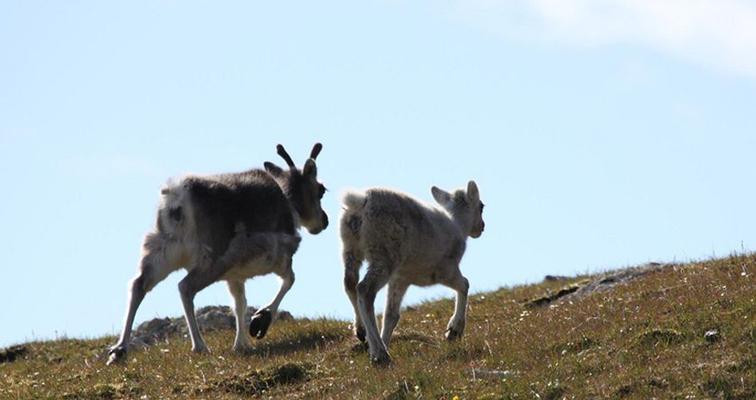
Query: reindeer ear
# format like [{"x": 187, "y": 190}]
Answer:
[
  {"x": 442, "y": 197},
  {"x": 472, "y": 192},
  {"x": 273, "y": 169},
  {"x": 310, "y": 169}
]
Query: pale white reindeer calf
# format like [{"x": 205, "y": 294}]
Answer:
[{"x": 405, "y": 242}]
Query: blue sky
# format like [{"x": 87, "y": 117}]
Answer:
[{"x": 602, "y": 134}]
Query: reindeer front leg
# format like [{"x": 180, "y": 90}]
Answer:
[
  {"x": 396, "y": 291},
  {"x": 241, "y": 342},
  {"x": 196, "y": 280},
  {"x": 456, "y": 326},
  {"x": 262, "y": 319}
]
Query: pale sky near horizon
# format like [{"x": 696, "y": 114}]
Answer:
[{"x": 602, "y": 134}]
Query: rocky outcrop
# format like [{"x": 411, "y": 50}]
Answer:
[
  {"x": 209, "y": 318},
  {"x": 599, "y": 284},
  {"x": 611, "y": 279}
]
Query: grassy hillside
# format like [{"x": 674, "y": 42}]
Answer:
[{"x": 641, "y": 339}]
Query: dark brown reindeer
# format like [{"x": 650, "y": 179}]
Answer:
[{"x": 228, "y": 227}]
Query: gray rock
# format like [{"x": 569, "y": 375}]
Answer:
[
  {"x": 215, "y": 319},
  {"x": 285, "y": 316},
  {"x": 209, "y": 318},
  {"x": 601, "y": 283},
  {"x": 609, "y": 280},
  {"x": 154, "y": 325}
]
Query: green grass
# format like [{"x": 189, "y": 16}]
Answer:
[{"x": 644, "y": 339}]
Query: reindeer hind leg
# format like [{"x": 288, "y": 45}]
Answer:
[{"x": 153, "y": 268}]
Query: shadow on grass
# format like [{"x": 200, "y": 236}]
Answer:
[
  {"x": 411, "y": 337},
  {"x": 306, "y": 341},
  {"x": 256, "y": 382},
  {"x": 415, "y": 337}
]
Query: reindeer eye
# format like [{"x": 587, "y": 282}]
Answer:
[
  {"x": 482, "y": 206},
  {"x": 322, "y": 190}
]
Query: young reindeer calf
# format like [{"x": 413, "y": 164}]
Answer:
[
  {"x": 405, "y": 242},
  {"x": 228, "y": 227}
]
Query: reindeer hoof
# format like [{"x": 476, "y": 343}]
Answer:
[
  {"x": 201, "y": 349},
  {"x": 243, "y": 350},
  {"x": 382, "y": 359},
  {"x": 453, "y": 334},
  {"x": 116, "y": 354},
  {"x": 360, "y": 333},
  {"x": 260, "y": 323}
]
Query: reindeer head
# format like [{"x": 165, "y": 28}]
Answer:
[
  {"x": 302, "y": 188},
  {"x": 465, "y": 207}
]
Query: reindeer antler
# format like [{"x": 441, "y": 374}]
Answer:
[
  {"x": 282, "y": 152},
  {"x": 316, "y": 150}
]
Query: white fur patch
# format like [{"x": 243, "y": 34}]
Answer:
[{"x": 353, "y": 200}]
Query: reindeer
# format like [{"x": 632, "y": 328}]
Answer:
[
  {"x": 228, "y": 227},
  {"x": 405, "y": 242}
]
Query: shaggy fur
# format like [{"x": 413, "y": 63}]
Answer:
[
  {"x": 228, "y": 227},
  {"x": 405, "y": 242}
]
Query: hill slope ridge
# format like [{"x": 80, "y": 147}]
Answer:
[{"x": 656, "y": 331}]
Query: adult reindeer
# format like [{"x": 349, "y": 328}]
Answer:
[{"x": 228, "y": 227}]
